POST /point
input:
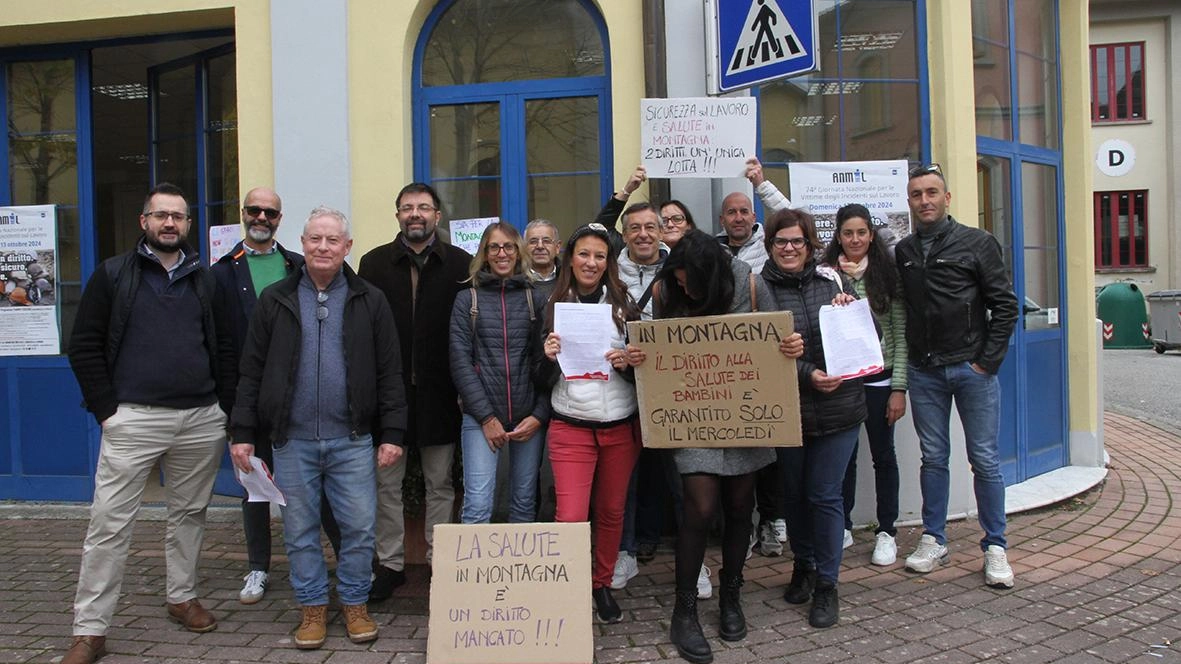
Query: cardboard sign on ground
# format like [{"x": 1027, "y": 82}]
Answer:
[
  {"x": 511, "y": 593},
  {"x": 717, "y": 381}
]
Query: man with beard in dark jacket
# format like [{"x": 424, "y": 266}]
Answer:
[
  {"x": 420, "y": 275},
  {"x": 153, "y": 361},
  {"x": 960, "y": 311}
]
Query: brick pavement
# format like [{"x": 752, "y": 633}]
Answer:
[{"x": 1097, "y": 580}]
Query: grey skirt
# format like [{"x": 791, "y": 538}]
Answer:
[{"x": 722, "y": 461}]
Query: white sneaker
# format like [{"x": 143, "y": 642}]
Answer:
[
  {"x": 254, "y": 588},
  {"x": 997, "y": 572},
  {"x": 885, "y": 552},
  {"x": 769, "y": 544},
  {"x": 927, "y": 555},
  {"x": 848, "y": 541},
  {"x": 704, "y": 589},
  {"x": 625, "y": 570},
  {"x": 754, "y": 539},
  {"x": 780, "y": 530}
]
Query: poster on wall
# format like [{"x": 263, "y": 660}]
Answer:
[
  {"x": 29, "y": 315},
  {"x": 824, "y": 187},
  {"x": 697, "y": 137},
  {"x": 466, "y": 233},
  {"x": 222, "y": 239}
]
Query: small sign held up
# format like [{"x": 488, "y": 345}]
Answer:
[
  {"x": 699, "y": 137},
  {"x": 717, "y": 381},
  {"x": 509, "y": 593}
]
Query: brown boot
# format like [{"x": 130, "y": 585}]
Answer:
[
  {"x": 360, "y": 626},
  {"x": 193, "y": 616},
  {"x": 85, "y": 650},
  {"x": 314, "y": 629}
]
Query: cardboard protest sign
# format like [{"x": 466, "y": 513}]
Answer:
[
  {"x": 511, "y": 593},
  {"x": 717, "y": 381},
  {"x": 697, "y": 137}
]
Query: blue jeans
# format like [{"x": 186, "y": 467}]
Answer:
[
  {"x": 977, "y": 398},
  {"x": 814, "y": 507},
  {"x": 479, "y": 475},
  {"x": 344, "y": 469}
]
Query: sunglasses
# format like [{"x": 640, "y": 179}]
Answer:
[
  {"x": 257, "y": 211},
  {"x": 928, "y": 169}
]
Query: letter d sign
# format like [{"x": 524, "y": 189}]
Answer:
[{"x": 1115, "y": 158}]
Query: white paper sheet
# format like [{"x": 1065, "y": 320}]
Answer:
[
  {"x": 586, "y": 331},
  {"x": 260, "y": 488},
  {"x": 851, "y": 346}
]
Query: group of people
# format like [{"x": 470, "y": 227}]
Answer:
[{"x": 329, "y": 375}]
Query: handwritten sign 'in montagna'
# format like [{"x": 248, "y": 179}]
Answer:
[
  {"x": 717, "y": 381},
  {"x": 504, "y": 593},
  {"x": 697, "y": 137}
]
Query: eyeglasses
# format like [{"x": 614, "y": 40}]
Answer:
[
  {"x": 423, "y": 208},
  {"x": 796, "y": 242},
  {"x": 321, "y": 309},
  {"x": 677, "y": 219},
  {"x": 928, "y": 169},
  {"x": 508, "y": 248},
  {"x": 163, "y": 215},
  {"x": 256, "y": 210},
  {"x": 534, "y": 241}
]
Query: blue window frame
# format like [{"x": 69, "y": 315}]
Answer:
[{"x": 519, "y": 142}]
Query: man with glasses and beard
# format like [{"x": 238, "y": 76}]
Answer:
[
  {"x": 420, "y": 275},
  {"x": 154, "y": 363},
  {"x": 253, "y": 264}
]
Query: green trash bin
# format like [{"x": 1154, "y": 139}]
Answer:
[{"x": 1122, "y": 309}]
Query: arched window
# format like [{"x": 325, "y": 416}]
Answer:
[{"x": 512, "y": 115}]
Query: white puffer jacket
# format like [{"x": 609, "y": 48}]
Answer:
[
  {"x": 608, "y": 400},
  {"x": 638, "y": 277}
]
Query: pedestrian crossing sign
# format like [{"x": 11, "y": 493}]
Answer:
[{"x": 755, "y": 41}]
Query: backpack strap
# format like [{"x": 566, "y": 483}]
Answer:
[
  {"x": 754, "y": 300},
  {"x": 647, "y": 295},
  {"x": 474, "y": 310},
  {"x": 529, "y": 299}
]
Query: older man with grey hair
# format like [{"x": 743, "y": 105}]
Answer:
[{"x": 321, "y": 381}]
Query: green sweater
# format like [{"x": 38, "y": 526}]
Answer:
[
  {"x": 266, "y": 269},
  {"x": 894, "y": 352}
]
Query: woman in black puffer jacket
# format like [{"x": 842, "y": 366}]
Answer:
[
  {"x": 494, "y": 345},
  {"x": 831, "y": 410}
]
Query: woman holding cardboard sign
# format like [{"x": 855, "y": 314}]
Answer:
[
  {"x": 593, "y": 442},
  {"x": 700, "y": 279},
  {"x": 831, "y": 411}
]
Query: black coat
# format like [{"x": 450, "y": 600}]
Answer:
[
  {"x": 235, "y": 288},
  {"x": 106, "y": 304},
  {"x": 803, "y": 294},
  {"x": 270, "y": 359},
  {"x": 424, "y": 322},
  {"x": 960, "y": 305},
  {"x": 493, "y": 369}
]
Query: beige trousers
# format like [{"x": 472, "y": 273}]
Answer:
[
  {"x": 188, "y": 443},
  {"x": 440, "y": 500}
]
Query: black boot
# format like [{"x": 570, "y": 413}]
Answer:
[
  {"x": 685, "y": 631},
  {"x": 733, "y": 624},
  {"x": 605, "y": 606},
  {"x": 826, "y": 609},
  {"x": 803, "y": 580},
  {"x": 384, "y": 582}
]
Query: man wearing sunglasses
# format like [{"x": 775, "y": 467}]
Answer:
[
  {"x": 253, "y": 264},
  {"x": 154, "y": 364},
  {"x": 960, "y": 311}
]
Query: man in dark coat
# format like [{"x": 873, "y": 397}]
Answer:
[
  {"x": 253, "y": 264},
  {"x": 420, "y": 275}
]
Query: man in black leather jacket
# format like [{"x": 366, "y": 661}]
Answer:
[{"x": 960, "y": 311}]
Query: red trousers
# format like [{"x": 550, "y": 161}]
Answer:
[{"x": 594, "y": 464}]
